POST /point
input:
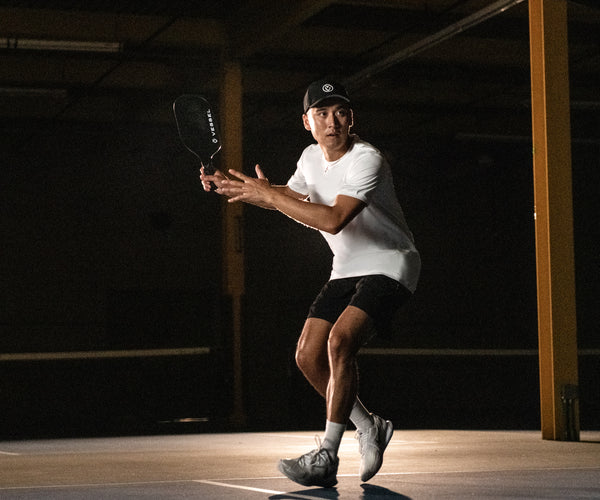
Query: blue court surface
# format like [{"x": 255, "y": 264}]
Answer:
[{"x": 425, "y": 464}]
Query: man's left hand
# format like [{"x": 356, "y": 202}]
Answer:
[{"x": 254, "y": 190}]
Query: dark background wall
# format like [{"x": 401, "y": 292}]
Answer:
[{"x": 109, "y": 243}]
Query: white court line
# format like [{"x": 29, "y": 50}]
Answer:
[
  {"x": 408, "y": 473},
  {"x": 482, "y": 471},
  {"x": 8, "y": 453},
  {"x": 240, "y": 487},
  {"x": 308, "y": 436},
  {"x": 220, "y": 481},
  {"x": 90, "y": 485},
  {"x": 258, "y": 490},
  {"x": 311, "y": 437},
  {"x": 346, "y": 440},
  {"x": 275, "y": 492}
]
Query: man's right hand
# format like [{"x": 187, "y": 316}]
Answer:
[{"x": 210, "y": 180}]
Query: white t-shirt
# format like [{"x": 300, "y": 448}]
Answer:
[{"x": 377, "y": 240}]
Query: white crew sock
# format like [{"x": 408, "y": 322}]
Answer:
[
  {"x": 361, "y": 417},
  {"x": 333, "y": 437}
]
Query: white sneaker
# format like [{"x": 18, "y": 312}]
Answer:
[
  {"x": 371, "y": 445},
  {"x": 316, "y": 468}
]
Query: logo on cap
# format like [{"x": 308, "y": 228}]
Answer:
[{"x": 328, "y": 87}]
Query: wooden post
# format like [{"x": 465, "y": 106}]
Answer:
[
  {"x": 554, "y": 220},
  {"x": 233, "y": 237}
]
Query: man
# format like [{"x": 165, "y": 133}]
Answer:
[{"x": 342, "y": 187}]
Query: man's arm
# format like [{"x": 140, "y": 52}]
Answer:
[
  {"x": 218, "y": 181},
  {"x": 283, "y": 191},
  {"x": 331, "y": 219},
  {"x": 258, "y": 191}
]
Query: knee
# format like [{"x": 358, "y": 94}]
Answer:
[
  {"x": 341, "y": 348},
  {"x": 306, "y": 359},
  {"x": 302, "y": 360}
]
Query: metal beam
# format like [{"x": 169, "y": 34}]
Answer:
[
  {"x": 445, "y": 34},
  {"x": 554, "y": 220}
]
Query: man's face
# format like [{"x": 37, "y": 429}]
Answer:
[{"x": 330, "y": 126}]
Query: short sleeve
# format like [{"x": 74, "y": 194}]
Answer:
[
  {"x": 362, "y": 176},
  {"x": 297, "y": 182}
]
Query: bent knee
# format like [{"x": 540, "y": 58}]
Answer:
[
  {"x": 309, "y": 361},
  {"x": 302, "y": 359},
  {"x": 342, "y": 346}
]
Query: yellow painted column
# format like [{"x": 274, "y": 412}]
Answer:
[
  {"x": 233, "y": 237},
  {"x": 554, "y": 220}
]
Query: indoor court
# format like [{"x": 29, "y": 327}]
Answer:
[
  {"x": 425, "y": 464},
  {"x": 149, "y": 328}
]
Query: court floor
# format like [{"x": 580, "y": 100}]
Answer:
[{"x": 427, "y": 464}]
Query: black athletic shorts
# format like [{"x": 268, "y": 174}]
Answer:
[{"x": 379, "y": 296}]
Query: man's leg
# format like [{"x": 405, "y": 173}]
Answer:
[
  {"x": 326, "y": 355},
  {"x": 373, "y": 433},
  {"x": 312, "y": 358},
  {"x": 311, "y": 354},
  {"x": 345, "y": 339},
  {"x": 318, "y": 467}
]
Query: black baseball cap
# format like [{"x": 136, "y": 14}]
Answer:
[{"x": 324, "y": 89}]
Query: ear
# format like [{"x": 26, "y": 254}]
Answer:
[
  {"x": 306, "y": 122},
  {"x": 351, "y": 119}
]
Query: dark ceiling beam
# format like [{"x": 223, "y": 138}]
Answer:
[
  {"x": 588, "y": 3},
  {"x": 260, "y": 22},
  {"x": 474, "y": 19}
]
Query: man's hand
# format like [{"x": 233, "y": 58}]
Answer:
[
  {"x": 208, "y": 180},
  {"x": 254, "y": 190}
]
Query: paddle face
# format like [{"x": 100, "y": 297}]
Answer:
[{"x": 197, "y": 126}]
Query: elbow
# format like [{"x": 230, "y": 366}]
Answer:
[
  {"x": 337, "y": 219},
  {"x": 341, "y": 214},
  {"x": 334, "y": 227}
]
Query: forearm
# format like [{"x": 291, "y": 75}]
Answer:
[
  {"x": 269, "y": 206},
  {"x": 315, "y": 215}
]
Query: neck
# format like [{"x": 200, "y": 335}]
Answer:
[{"x": 333, "y": 154}]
